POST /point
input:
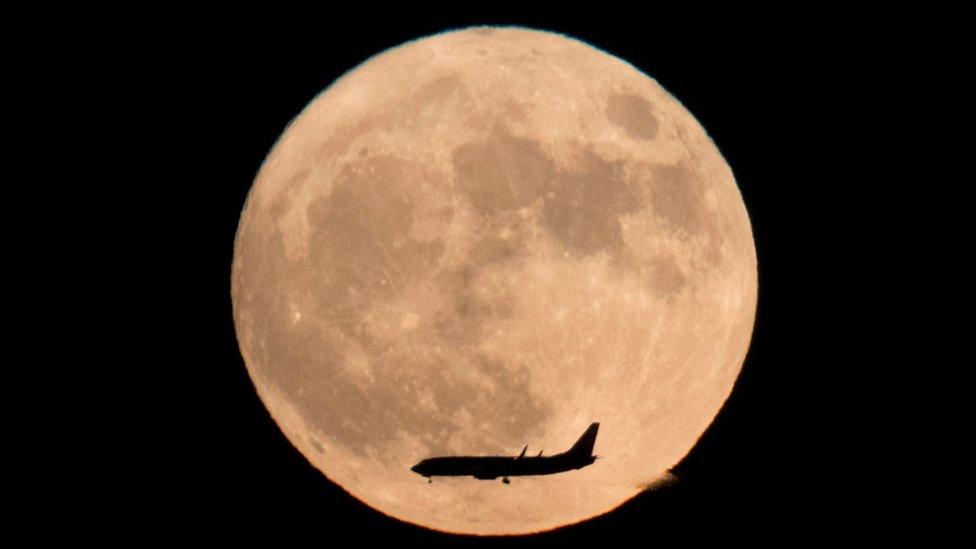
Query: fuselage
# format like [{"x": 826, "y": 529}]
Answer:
[{"x": 491, "y": 467}]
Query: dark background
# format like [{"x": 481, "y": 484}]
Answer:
[{"x": 781, "y": 460}]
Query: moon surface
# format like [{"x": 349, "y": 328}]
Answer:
[{"x": 489, "y": 238}]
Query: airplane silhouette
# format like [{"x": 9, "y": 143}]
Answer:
[{"x": 492, "y": 467}]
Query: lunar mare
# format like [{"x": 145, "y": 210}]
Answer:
[{"x": 484, "y": 239}]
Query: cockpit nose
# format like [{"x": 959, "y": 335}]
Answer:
[{"x": 415, "y": 468}]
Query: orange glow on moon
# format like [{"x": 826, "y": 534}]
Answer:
[{"x": 484, "y": 239}]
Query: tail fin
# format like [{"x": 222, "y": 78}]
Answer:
[{"x": 584, "y": 446}]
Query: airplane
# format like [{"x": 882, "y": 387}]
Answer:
[{"x": 492, "y": 467}]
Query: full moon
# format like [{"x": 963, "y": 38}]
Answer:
[{"x": 489, "y": 238}]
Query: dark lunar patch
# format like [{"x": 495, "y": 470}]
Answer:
[
  {"x": 634, "y": 114},
  {"x": 713, "y": 251},
  {"x": 458, "y": 325},
  {"x": 470, "y": 310},
  {"x": 283, "y": 199},
  {"x": 516, "y": 110},
  {"x": 339, "y": 142},
  {"x": 443, "y": 93},
  {"x": 582, "y": 206},
  {"x": 676, "y": 197},
  {"x": 586, "y": 205},
  {"x": 665, "y": 276},
  {"x": 359, "y": 244},
  {"x": 504, "y": 240},
  {"x": 298, "y": 177},
  {"x": 502, "y": 173},
  {"x": 318, "y": 447},
  {"x": 439, "y": 89},
  {"x": 495, "y": 250}
]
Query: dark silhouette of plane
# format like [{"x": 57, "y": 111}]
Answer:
[{"x": 492, "y": 467}]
